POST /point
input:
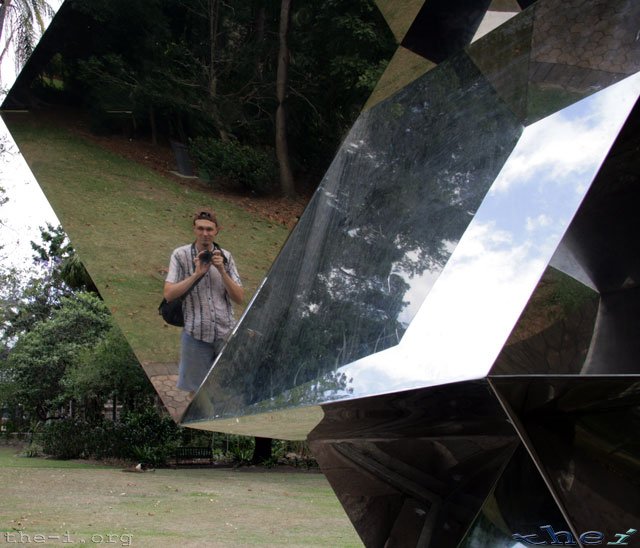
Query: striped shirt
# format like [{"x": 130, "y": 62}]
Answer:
[{"x": 207, "y": 310}]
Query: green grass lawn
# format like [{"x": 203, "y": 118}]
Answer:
[
  {"x": 184, "y": 507},
  {"x": 124, "y": 220}
]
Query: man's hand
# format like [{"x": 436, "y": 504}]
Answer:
[
  {"x": 173, "y": 291},
  {"x": 218, "y": 260},
  {"x": 235, "y": 292},
  {"x": 202, "y": 267}
]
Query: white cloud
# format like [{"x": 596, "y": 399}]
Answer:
[
  {"x": 571, "y": 142},
  {"x": 541, "y": 221}
]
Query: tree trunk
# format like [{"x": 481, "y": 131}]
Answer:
[
  {"x": 153, "y": 126},
  {"x": 213, "y": 16},
  {"x": 282, "y": 147},
  {"x": 259, "y": 25}
]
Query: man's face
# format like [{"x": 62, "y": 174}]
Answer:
[{"x": 205, "y": 232}]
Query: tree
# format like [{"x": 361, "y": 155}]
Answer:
[
  {"x": 108, "y": 370},
  {"x": 21, "y": 23},
  {"x": 282, "y": 78},
  {"x": 60, "y": 273},
  {"x": 11, "y": 290},
  {"x": 60, "y": 259},
  {"x": 40, "y": 358},
  {"x": 61, "y": 352},
  {"x": 3, "y": 200},
  {"x": 76, "y": 356},
  {"x": 339, "y": 50}
]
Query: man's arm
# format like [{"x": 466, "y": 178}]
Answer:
[
  {"x": 175, "y": 290},
  {"x": 234, "y": 290}
]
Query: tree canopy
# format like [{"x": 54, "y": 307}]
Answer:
[
  {"x": 187, "y": 69},
  {"x": 60, "y": 346},
  {"x": 21, "y": 23}
]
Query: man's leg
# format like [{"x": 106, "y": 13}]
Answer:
[{"x": 196, "y": 358}]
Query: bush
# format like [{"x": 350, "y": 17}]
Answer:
[
  {"x": 241, "y": 449},
  {"x": 153, "y": 456},
  {"x": 134, "y": 436},
  {"x": 254, "y": 169},
  {"x": 148, "y": 430},
  {"x": 107, "y": 441},
  {"x": 65, "y": 438}
]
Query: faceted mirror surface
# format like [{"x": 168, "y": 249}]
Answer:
[{"x": 445, "y": 204}]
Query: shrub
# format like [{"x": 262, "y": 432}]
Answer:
[
  {"x": 148, "y": 428},
  {"x": 154, "y": 456},
  {"x": 250, "y": 167},
  {"x": 65, "y": 438},
  {"x": 136, "y": 435},
  {"x": 241, "y": 449},
  {"x": 106, "y": 440},
  {"x": 31, "y": 451}
]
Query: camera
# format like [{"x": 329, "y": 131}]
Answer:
[{"x": 205, "y": 256}]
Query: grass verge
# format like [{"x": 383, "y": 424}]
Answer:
[
  {"x": 124, "y": 220},
  {"x": 194, "y": 507}
]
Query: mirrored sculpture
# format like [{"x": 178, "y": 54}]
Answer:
[
  {"x": 453, "y": 322},
  {"x": 470, "y": 240}
]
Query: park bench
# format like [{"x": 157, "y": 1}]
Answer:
[
  {"x": 123, "y": 120},
  {"x": 192, "y": 454}
]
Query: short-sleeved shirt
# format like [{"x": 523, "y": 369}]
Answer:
[{"x": 207, "y": 310}]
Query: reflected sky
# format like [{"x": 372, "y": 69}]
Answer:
[{"x": 497, "y": 263}]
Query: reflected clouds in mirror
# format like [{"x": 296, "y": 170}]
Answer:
[{"x": 498, "y": 261}]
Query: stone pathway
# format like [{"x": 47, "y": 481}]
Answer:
[{"x": 164, "y": 376}]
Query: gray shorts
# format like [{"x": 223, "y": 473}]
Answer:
[{"x": 196, "y": 359}]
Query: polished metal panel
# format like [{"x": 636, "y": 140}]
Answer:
[
  {"x": 348, "y": 283},
  {"x": 600, "y": 237},
  {"x": 554, "y": 332},
  {"x": 518, "y": 505},
  {"x": 616, "y": 342},
  {"x": 585, "y": 322},
  {"x": 504, "y": 58},
  {"x": 411, "y": 275},
  {"x": 446, "y": 201},
  {"x": 583, "y": 431},
  {"x": 443, "y": 27},
  {"x": 539, "y": 67},
  {"x": 349, "y": 286},
  {"x": 565, "y": 261},
  {"x": 578, "y": 48},
  {"x": 507, "y": 246},
  {"x": 414, "y": 468}
]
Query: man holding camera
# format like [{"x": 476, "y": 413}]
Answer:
[{"x": 205, "y": 277}]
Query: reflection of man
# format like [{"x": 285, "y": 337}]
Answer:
[{"x": 208, "y": 315}]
